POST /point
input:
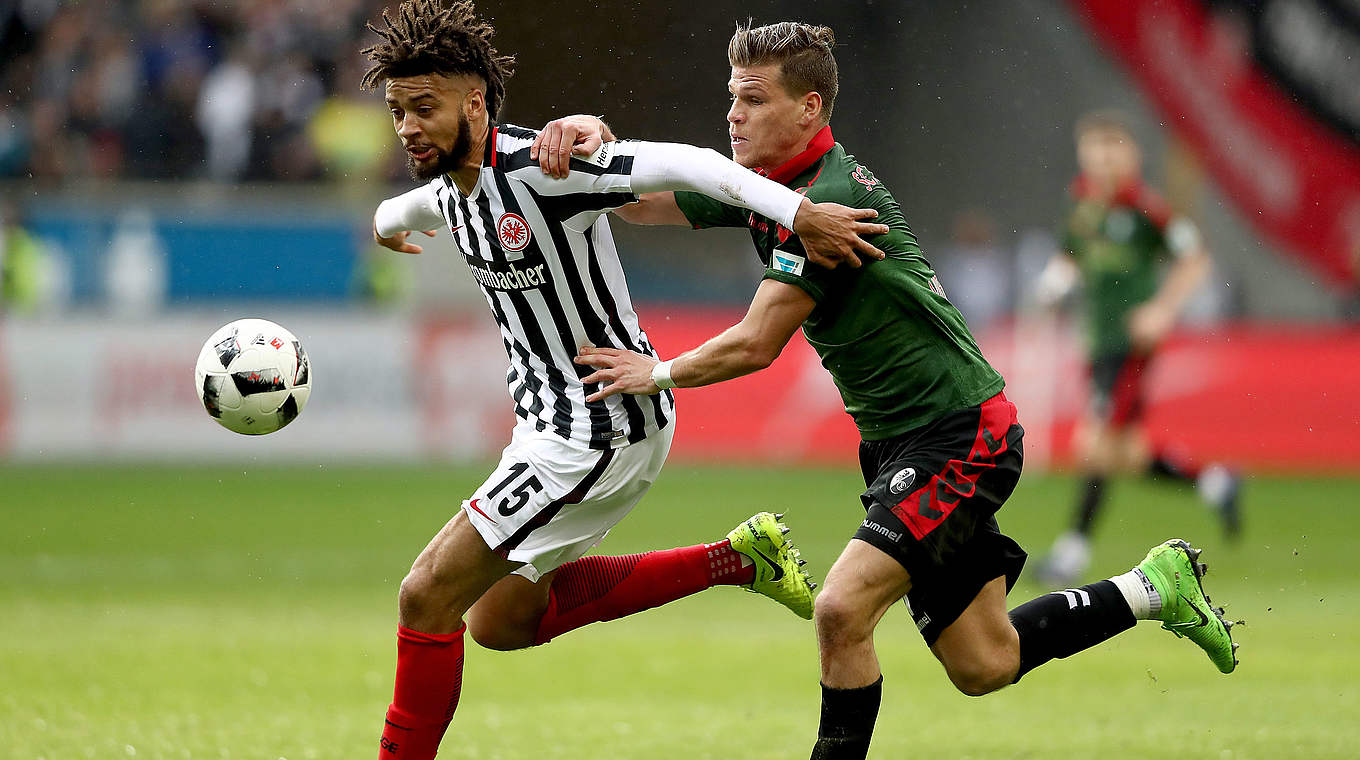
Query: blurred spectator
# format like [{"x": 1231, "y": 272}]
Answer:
[
  {"x": 288, "y": 93},
  {"x": 352, "y": 143},
  {"x": 225, "y": 104},
  {"x": 14, "y": 140},
  {"x": 977, "y": 272},
  {"x": 225, "y": 89},
  {"x": 380, "y": 278},
  {"x": 21, "y": 262}
]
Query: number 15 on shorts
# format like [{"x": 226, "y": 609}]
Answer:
[{"x": 511, "y": 492}]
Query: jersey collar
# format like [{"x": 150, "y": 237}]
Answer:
[
  {"x": 1127, "y": 194},
  {"x": 818, "y": 146},
  {"x": 489, "y": 156}
]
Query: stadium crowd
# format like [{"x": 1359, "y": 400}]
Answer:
[{"x": 227, "y": 90}]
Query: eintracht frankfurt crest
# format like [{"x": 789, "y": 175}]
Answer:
[{"x": 513, "y": 232}]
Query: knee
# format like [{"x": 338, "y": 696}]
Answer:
[
  {"x": 1098, "y": 449},
  {"x": 427, "y": 598},
  {"x": 419, "y": 595},
  {"x": 983, "y": 673},
  {"x": 840, "y": 619}
]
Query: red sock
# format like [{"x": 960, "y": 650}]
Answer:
[
  {"x": 429, "y": 680},
  {"x": 595, "y": 589}
]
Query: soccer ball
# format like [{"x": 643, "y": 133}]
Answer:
[{"x": 253, "y": 376}]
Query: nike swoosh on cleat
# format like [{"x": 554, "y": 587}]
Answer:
[
  {"x": 778, "y": 571},
  {"x": 1203, "y": 619}
]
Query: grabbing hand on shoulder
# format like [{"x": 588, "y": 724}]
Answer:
[
  {"x": 833, "y": 234},
  {"x": 579, "y": 134}
]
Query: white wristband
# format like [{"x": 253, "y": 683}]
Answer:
[{"x": 661, "y": 374}]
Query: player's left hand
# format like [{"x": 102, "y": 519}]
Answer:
[
  {"x": 619, "y": 371},
  {"x": 398, "y": 241},
  {"x": 1149, "y": 324},
  {"x": 832, "y": 234},
  {"x": 580, "y": 134}
]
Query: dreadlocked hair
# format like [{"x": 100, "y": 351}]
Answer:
[{"x": 425, "y": 38}]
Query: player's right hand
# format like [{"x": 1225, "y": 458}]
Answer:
[
  {"x": 833, "y": 234},
  {"x": 617, "y": 371},
  {"x": 579, "y": 134},
  {"x": 398, "y": 241}
]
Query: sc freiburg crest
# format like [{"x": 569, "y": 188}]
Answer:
[
  {"x": 902, "y": 481},
  {"x": 865, "y": 177},
  {"x": 513, "y": 232}
]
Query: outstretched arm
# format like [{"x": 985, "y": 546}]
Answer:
[
  {"x": 750, "y": 345},
  {"x": 1150, "y": 322},
  {"x": 581, "y": 135},
  {"x": 397, "y": 217},
  {"x": 831, "y": 233},
  {"x": 653, "y": 209}
]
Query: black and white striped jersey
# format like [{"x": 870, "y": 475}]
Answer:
[{"x": 541, "y": 250}]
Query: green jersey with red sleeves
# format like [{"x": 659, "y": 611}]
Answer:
[
  {"x": 898, "y": 350},
  {"x": 1119, "y": 241}
]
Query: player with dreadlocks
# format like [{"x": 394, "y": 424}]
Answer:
[
  {"x": 512, "y": 560},
  {"x": 423, "y": 41}
]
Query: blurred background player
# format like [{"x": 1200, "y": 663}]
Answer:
[{"x": 1115, "y": 241}]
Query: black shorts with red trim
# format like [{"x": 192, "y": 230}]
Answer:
[
  {"x": 1117, "y": 387},
  {"x": 932, "y": 501}
]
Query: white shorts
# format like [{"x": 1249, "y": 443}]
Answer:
[{"x": 550, "y": 500}]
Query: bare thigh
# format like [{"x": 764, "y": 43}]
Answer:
[{"x": 981, "y": 650}]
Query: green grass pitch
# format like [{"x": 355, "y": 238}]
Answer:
[{"x": 228, "y": 613}]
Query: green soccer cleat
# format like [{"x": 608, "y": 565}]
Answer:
[
  {"x": 779, "y": 573},
  {"x": 1187, "y": 612}
]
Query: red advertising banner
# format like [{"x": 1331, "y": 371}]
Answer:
[
  {"x": 1292, "y": 174},
  {"x": 1263, "y": 398},
  {"x": 433, "y": 385}
]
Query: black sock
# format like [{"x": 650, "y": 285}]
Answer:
[
  {"x": 1088, "y": 503},
  {"x": 848, "y": 717},
  {"x": 1063, "y": 623},
  {"x": 1165, "y": 467}
]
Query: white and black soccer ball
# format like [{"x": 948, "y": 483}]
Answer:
[{"x": 253, "y": 376}]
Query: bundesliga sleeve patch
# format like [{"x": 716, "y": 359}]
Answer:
[
  {"x": 787, "y": 262},
  {"x": 602, "y": 155}
]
